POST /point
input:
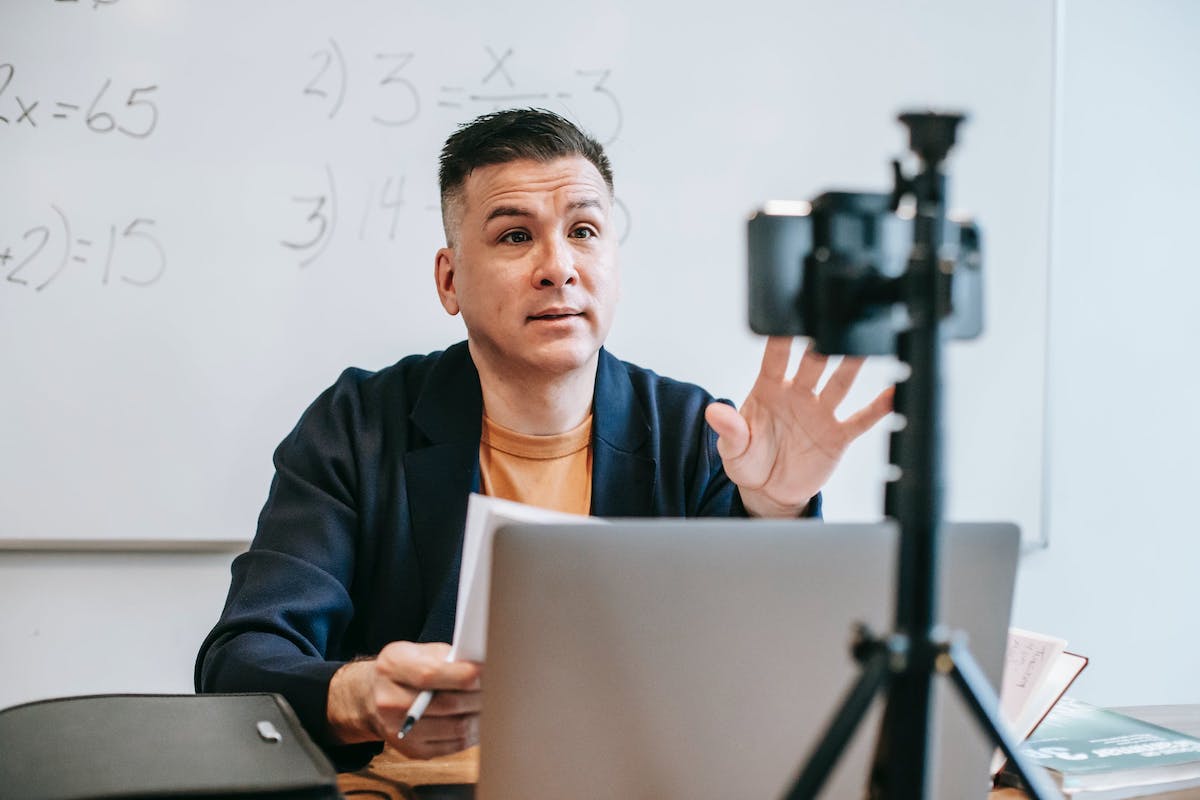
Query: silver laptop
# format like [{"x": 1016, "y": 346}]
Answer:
[{"x": 703, "y": 658}]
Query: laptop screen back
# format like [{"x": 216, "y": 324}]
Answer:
[{"x": 704, "y": 658}]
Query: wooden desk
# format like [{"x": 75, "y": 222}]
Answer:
[{"x": 393, "y": 776}]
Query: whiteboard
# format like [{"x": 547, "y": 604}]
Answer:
[{"x": 212, "y": 208}]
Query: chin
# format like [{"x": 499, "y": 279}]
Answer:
[{"x": 563, "y": 357}]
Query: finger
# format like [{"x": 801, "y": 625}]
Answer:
[
  {"x": 424, "y": 666},
  {"x": 415, "y": 651},
  {"x": 839, "y": 383},
  {"x": 812, "y": 366},
  {"x": 862, "y": 420},
  {"x": 440, "y": 676},
  {"x": 439, "y": 736},
  {"x": 458, "y": 728},
  {"x": 391, "y": 699},
  {"x": 424, "y": 752},
  {"x": 733, "y": 434},
  {"x": 775, "y": 358},
  {"x": 454, "y": 704}
]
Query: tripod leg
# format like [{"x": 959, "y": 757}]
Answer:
[
  {"x": 979, "y": 696},
  {"x": 874, "y": 677}
]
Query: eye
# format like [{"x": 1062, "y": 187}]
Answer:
[
  {"x": 516, "y": 237},
  {"x": 583, "y": 232}
]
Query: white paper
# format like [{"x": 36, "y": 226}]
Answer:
[
  {"x": 1028, "y": 659},
  {"x": 484, "y": 516}
]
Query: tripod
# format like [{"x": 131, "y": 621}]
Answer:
[{"x": 905, "y": 662}]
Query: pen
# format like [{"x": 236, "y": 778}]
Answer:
[{"x": 414, "y": 712}]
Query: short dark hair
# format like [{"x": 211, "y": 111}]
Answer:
[{"x": 512, "y": 135}]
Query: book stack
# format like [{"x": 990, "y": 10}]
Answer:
[{"x": 1099, "y": 754}]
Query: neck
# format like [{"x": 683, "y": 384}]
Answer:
[{"x": 538, "y": 404}]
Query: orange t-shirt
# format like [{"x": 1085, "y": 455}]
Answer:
[{"x": 553, "y": 472}]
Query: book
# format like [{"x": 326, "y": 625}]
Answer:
[
  {"x": 1099, "y": 754},
  {"x": 1038, "y": 670}
]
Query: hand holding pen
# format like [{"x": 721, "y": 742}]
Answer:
[
  {"x": 417, "y": 709},
  {"x": 415, "y": 712},
  {"x": 372, "y": 700}
]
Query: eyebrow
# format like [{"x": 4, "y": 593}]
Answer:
[
  {"x": 507, "y": 211},
  {"x": 590, "y": 202},
  {"x": 517, "y": 211}
]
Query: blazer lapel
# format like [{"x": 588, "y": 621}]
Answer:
[
  {"x": 439, "y": 479},
  {"x": 623, "y": 474},
  {"x": 441, "y": 475}
]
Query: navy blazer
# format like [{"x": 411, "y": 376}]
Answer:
[{"x": 360, "y": 541}]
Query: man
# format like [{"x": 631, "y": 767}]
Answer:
[{"x": 346, "y": 597}]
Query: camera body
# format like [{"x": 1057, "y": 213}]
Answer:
[{"x": 831, "y": 270}]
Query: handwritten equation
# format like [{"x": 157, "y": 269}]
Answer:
[
  {"x": 370, "y": 206},
  {"x": 136, "y": 118},
  {"x": 378, "y": 214},
  {"x": 394, "y": 97},
  {"x": 396, "y": 100},
  {"x": 128, "y": 252},
  {"x": 497, "y": 89}
]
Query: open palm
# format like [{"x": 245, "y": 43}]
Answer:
[{"x": 786, "y": 441}]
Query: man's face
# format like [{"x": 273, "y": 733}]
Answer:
[{"x": 534, "y": 266}]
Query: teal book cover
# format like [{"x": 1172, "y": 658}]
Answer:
[{"x": 1091, "y": 749}]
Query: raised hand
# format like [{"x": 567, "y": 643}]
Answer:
[{"x": 786, "y": 440}]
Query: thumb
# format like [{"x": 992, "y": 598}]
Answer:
[{"x": 733, "y": 434}]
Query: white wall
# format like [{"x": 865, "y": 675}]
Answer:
[
  {"x": 82, "y": 623},
  {"x": 1117, "y": 579},
  {"x": 1120, "y": 578}
]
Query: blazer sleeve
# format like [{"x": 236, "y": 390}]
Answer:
[{"x": 289, "y": 602}]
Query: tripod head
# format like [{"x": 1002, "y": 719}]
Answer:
[{"x": 930, "y": 134}]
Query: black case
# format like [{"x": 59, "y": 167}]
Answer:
[{"x": 142, "y": 746}]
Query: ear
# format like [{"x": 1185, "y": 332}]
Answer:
[{"x": 443, "y": 275}]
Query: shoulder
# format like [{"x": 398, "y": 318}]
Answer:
[
  {"x": 359, "y": 392},
  {"x": 406, "y": 377}
]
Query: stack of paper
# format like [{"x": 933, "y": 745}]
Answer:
[{"x": 486, "y": 515}]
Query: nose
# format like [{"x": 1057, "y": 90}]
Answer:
[{"x": 555, "y": 267}]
